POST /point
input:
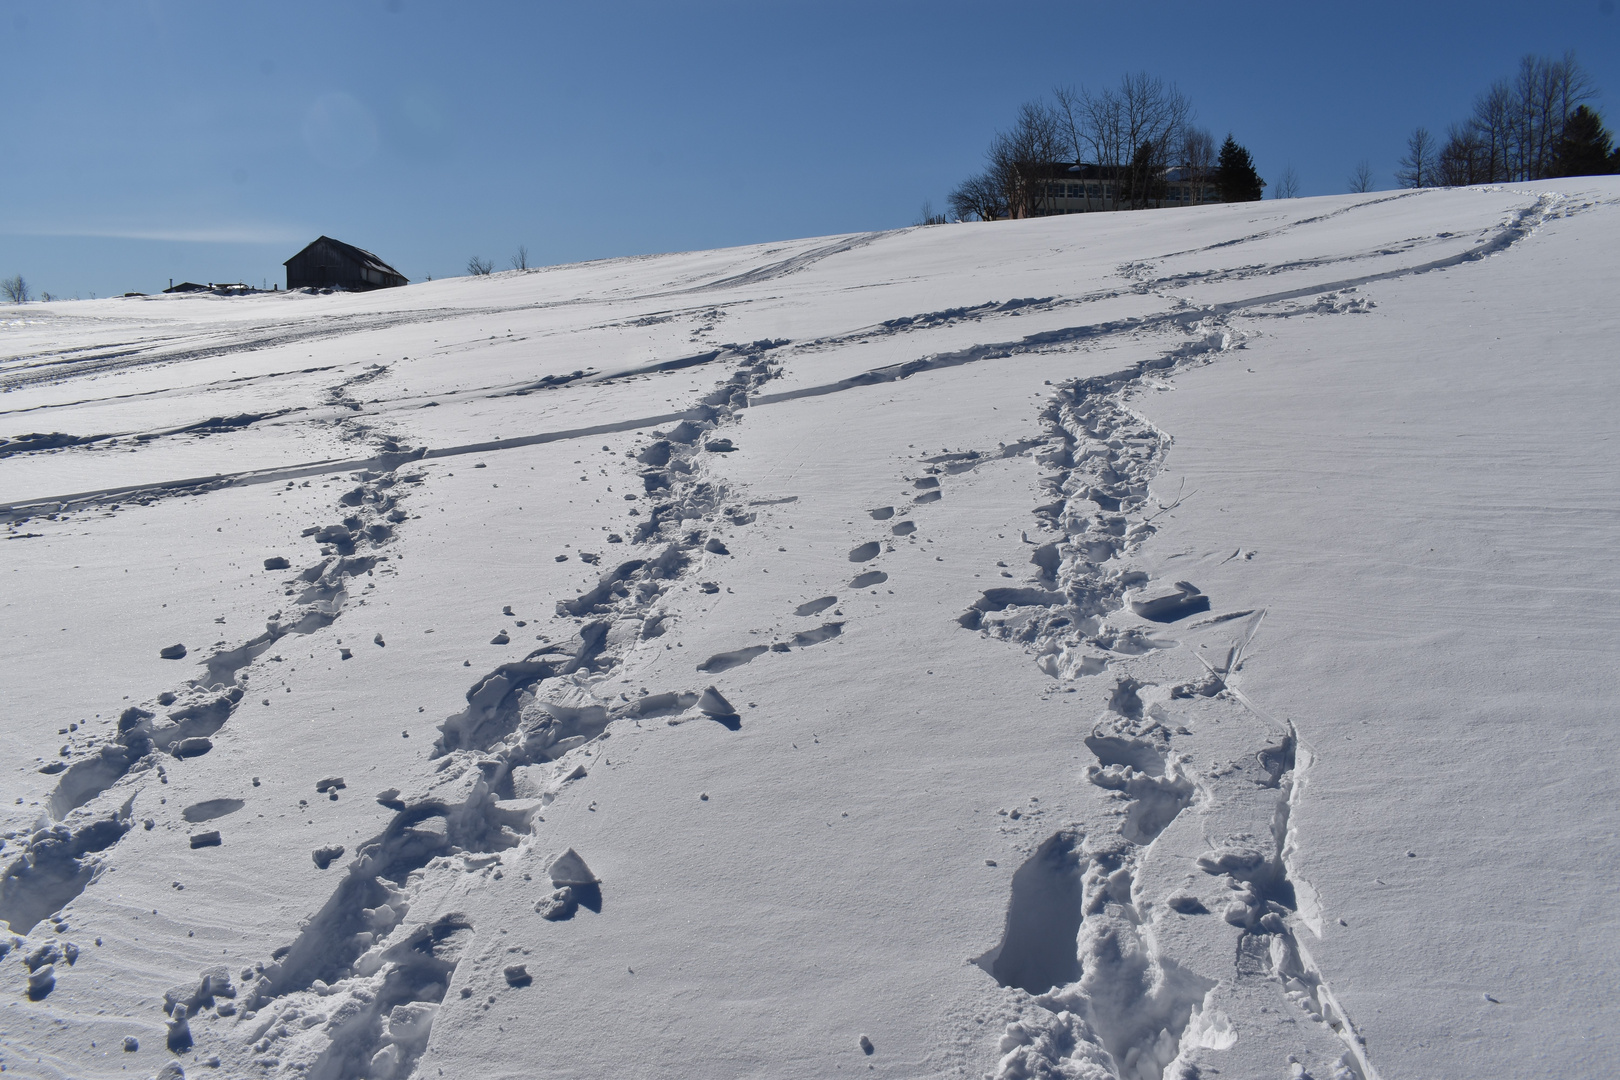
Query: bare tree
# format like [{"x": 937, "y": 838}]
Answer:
[
  {"x": 978, "y": 197},
  {"x": 15, "y": 289},
  {"x": 1417, "y": 168},
  {"x": 1142, "y": 183},
  {"x": 479, "y": 267},
  {"x": 1135, "y": 131},
  {"x": 1463, "y": 159},
  {"x": 1495, "y": 130},
  {"x": 1573, "y": 87},
  {"x": 520, "y": 261},
  {"x": 1197, "y": 151},
  {"x": 929, "y": 217},
  {"x": 1153, "y": 112},
  {"x": 1095, "y": 123},
  {"x": 1361, "y": 178},
  {"x": 1069, "y": 111},
  {"x": 1021, "y": 157},
  {"x": 1515, "y": 125},
  {"x": 1287, "y": 185},
  {"x": 1545, "y": 92}
]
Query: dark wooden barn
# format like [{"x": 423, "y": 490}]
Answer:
[{"x": 332, "y": 264}]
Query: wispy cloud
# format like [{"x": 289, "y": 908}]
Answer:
[{"x": 237, "y": 233}]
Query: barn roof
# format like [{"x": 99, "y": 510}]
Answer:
[{"x": 359, "y": 255}]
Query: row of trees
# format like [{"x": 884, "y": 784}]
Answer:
[
  {"x": 1134, "y": 133},
  {"x": 1532, "y": 126}
]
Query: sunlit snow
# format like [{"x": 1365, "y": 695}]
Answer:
[{"x": 1152, "y": 645}]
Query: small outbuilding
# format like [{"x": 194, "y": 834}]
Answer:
[{"x": 331, "y": 264}]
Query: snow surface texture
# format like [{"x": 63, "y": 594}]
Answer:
[{"x": 1159, "y": 645}]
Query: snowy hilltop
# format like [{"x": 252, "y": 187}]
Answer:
[{"x": 1144, "y": 646}]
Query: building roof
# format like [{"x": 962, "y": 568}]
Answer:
[
  {"x": 1085, "y": 170},
  {"x": 359, "y": 255}
]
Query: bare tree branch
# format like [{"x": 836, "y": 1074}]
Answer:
[
  {"x": 978, "y": 197},
  {"x": 1197, "y": 151},
  {"x": 1515, "y": 126},
  {"x": 1020, "y": 157},
  {"x": 1133, "y": 134},
  {"x": 1417, "y": 168}
]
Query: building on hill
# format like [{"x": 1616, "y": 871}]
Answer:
[
  {"x": 331, "y": 264},
  {"x": 1079, "y": 188},
  {"x": 224, "y": 288}
]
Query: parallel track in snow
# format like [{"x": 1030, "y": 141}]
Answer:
[{"x": 1523, "y": 223}]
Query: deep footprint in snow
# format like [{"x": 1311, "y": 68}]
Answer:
[
  {"x": 1037, "y": 950},
  {"x": 904, "y": 528},
  {"x": 727, "y": 660},
  {"x": 825, "y": 632},
  {"x": 815, "y": 607},
  {"x": 211, "y": 809},
  {"x": 863, "y": 552},
  {"x": 882, "y": 513},
  {"x": 1169, "y": 604},
  {"x": 868, "y": 579}
]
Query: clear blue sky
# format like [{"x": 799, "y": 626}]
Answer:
[{"x": 210, "y": 141}]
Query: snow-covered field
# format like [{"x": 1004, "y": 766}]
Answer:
[{"x": 1173, "y": 644}]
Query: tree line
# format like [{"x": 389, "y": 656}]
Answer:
[
  {"x": 1131, "y": 136},
  {"x": 1532, "y": 126}
]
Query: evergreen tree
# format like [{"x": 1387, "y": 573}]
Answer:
[
  {"x": 1584, "y": 148},
  {"x": 1235, "y": 177}
]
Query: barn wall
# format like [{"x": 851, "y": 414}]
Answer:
[{"x": 322, "y": 267}]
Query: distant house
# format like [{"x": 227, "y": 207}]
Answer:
[
  {"x": 332, "y": 264},
  {"x": 1079, "y": 188},
  {"x": 221, "y": 287}
]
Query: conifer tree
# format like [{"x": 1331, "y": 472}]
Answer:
[
  {"x": 1584, "y": 148},
  {"x": 1235, "y": 177}
]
